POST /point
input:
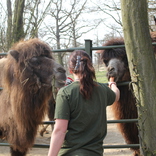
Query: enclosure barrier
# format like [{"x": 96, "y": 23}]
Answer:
[{"x": 88, "y": 48}]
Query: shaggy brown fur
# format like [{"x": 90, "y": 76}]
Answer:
[
  {"x": 125, "y": 108},
  {"x": 26, "y": 80}
]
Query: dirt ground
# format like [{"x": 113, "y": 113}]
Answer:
[{"x": 113, "y": 138}]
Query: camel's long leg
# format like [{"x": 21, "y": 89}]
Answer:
[
  {"x": 44, "y": 129},
  {"x": 17, "y": 152}
]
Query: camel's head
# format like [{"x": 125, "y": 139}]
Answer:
[
  {"x": 115, "y": 59},
  {"x": 34, "y": 65},
  {"x": 41, "y": 70},
  {"x": 116, "y": 68}
]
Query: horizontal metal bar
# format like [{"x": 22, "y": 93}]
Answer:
[
  {"x": 121, "y": 83},
  {"x": 92, "y": 48},
  {"x": 118, "y": 84},
  {"x": 4, "y": 144},
  {"x": 3, "y": 54},
  {"x": 68, "y": 50},
  {"x": 83, "y": 48},
  {"x": 123, "y": 121},
  {"x": 104, "y": 146},
  {"x": 41, "y": 146},
  {"x": 154, "y": 43},
  {"x": 107, "y": 47},
  {"x": 121, "y": 146},
  {"x": 108, "y": 121},
  {"x": 48, "y": 122}
]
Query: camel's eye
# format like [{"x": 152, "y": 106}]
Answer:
[
  {"x": 106, "y": 62},
  {"x": 35, "y": 61},
  {"x": 61, "y": 70}
]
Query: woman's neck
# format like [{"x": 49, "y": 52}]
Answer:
[{"x": 76, "y": 77}]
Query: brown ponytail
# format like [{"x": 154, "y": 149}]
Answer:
[{"x": 80, "y": 63}]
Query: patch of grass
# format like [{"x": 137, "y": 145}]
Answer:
[{"x": 101, "y": 76}]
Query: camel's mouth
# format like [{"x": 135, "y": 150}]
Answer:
[{"x": 112, "y": 74}]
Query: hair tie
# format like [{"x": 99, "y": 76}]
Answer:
[{"x": 77, "y": 63}]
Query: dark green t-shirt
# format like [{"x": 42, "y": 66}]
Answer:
[{"x": 87, "y": 119}]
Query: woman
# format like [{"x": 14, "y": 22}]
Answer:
[{"x": 80, "y": 114}]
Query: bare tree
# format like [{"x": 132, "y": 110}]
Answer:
[
  {"x": 110, "y": 12},
  {"x": 74, "y": 22},
  {"x": 142, "y": 68},
  {"x": 66, "y": 17},
  {"x": 2, "y": 28},
  {"x": 35, "y": 13},
  {"x": 152, "y": 14},
  {"x": 112, "y": 9},
  {"x": 17, "y": 29},
  {"x": 24, "y": 18},
  {"x": 9, "y": 24}
]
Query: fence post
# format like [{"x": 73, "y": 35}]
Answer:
[{"x": 88, "y": 47}]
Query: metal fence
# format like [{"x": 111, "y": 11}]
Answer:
[{"x": 88, "y": 48}]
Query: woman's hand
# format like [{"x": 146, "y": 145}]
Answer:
[
  {"x": 111, "y": 79},
  {"x": 112, "y": 85},
  {"x": 111, "y": 82}
]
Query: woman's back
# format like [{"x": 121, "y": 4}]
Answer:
[
  {"x": 81, "y": 111},
  {"x": 87, "y": 126}
]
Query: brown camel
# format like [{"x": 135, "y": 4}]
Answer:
[
  {"x": 26, "y": 75},
  {"x": 115, "y": 60}
]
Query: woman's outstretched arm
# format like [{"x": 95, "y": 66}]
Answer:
[{"x": 112, "y": 85}]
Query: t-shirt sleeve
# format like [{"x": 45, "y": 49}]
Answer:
[
  {"x": 111, "y": 96},
  {"x": 62, "y": 109}
]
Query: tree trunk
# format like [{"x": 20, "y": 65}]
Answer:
[
  {"x": 9, "y": 25},
  {"x": 142, "y": 68},
  {"x": 18, "y": 30}
]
